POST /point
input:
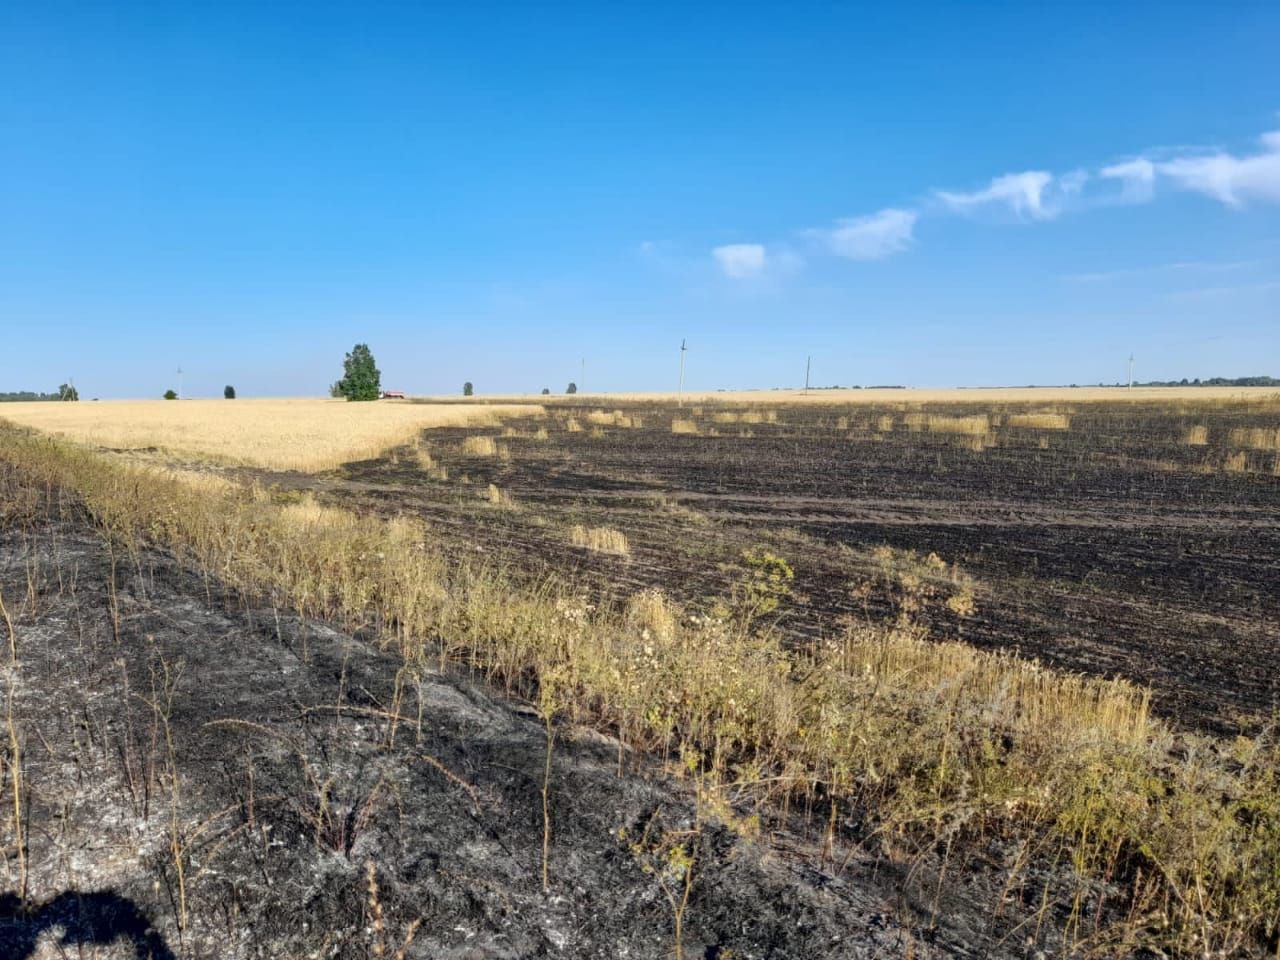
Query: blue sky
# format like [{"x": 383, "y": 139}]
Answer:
[{"x": 929, "y": 194}]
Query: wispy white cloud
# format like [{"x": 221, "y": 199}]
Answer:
[
  {"x": 1072, "y": 184},
  {"x": 1233, "y": 180},
  {"x": 1023, "y": 193},
  {"x": 1137, "y": 179},
  {"x": 740, "y": 260},
  {"x": 872, "y": 237},
  {"x": 1036, "y": 196}
]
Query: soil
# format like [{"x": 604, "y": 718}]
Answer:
[
  {"x": 165, "y": 722},
  {"x": 1112, "y": 548}
]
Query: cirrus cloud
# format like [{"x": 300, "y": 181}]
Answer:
[
  {"x": 872, "y": 237},
  {"x": 1231, "y": 179}
]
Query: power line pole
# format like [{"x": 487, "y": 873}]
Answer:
[
  {"x": 807, "y": 361},
  {"x": 1131, "y": 371},
  {"x": 680, "y": 389},
  {"x": 179, "y": 383}
]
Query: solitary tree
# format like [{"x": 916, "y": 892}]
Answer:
[
  {"x": 572, "y": 388},
  {"x": 67, "y": 392},
  {"x": 546, "y": 391},
  {"x": 468, "y": 389},
  {"x": 170, "y": 395},
  {"x": 361, "y": 379},
  {"x": 228, "y": 392}
]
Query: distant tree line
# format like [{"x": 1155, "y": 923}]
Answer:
[
  {"x": 1214, "y": 382},
  {"x": 65, "y": 392}
]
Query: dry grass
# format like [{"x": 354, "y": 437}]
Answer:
[
  {"x": 1255, "y": 438},
  {"x": 289, "y": 434},
  {"x": 1237, "y": 462},
  {"x": 973, "y": 431},
  {"x": 745, "y": 416},
  {"x": 428, "y": 465},
  {"x": 1040, "y": 421},
  {"x": 925, "y": 743},
  {"x": 614, "y": 418},
  {"x": 498, "y": 497},
  {"x": 572, "y": 426},
  {"x": 600, "y": 539},
  {"x": 651, "y": 614},
  {"x": 480, "y": 446},
  {"x": 977, "y": 442},
  {"x": 971, "y": 426},
  {"x": 680, "y": 425},
  {"x": 1196, "y": 436}
]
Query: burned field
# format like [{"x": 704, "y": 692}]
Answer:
[
  {"x": 202, "y": 777},
  {"x": 1120, "y": 539},
  {"x": 712, "y": 681}
]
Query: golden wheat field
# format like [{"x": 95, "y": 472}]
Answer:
[{"x": 279, "y": 434}]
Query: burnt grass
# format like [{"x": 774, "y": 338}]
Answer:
[
  {"x": 136, "y": 675},
  {"x": 1112, "y": 548}
]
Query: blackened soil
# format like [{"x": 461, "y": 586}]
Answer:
[
  {"x": 164, "y": 724},
  {"x": 1112, "y": 548}
]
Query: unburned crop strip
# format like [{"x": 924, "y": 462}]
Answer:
[
  {"x": 1040, "y": 421},
  {"x": 599, "y": 539},
  {"x": 918, "y": 740},
  {"x": 1255, "y": 438}
]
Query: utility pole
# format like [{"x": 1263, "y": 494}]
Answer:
[
  {"x": 1131, "y": 371},
  {"x": 807, "y": 361},
  {"x": 179, "y": 383},
  {"x": 680, "y": 389}
]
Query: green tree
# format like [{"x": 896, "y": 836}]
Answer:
[
  {"x": 170, "y": 395},
  {"x": 468, "y": 389},
  {"x": 572, "y": 388},
  {"x": 229, "y": 392},
  {"x": 361, "y": 379},
  {"x": 67, "y": 392}
]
